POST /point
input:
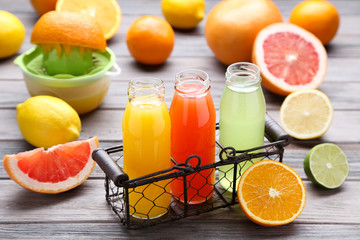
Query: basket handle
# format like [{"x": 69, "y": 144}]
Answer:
[
  {"x": 275, "y": 132},
  {"x": 110, "y": 168}
]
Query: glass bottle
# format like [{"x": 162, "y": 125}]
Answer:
[
  {"x": 193, "y": 120},
  {"x": 146, "y": 145},
  {"x": 242, "y": 116}
]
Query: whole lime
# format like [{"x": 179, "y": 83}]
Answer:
[
  {"x": 12, "y": 34},
  {"x": 45, "y": 121}
]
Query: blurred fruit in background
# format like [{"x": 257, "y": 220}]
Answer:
[
  {"x": 232, "y": 25},
  {"x": 106, "y": 12},
  {"x": 12, "y": 34},
  {"x": 43, "y": 6},
  {"x": 290, "y": 58},
  {"x": 150, "y": 40},
  {"x": 319, "y": 17},
  {"x": 183, "y": 14},
  {"x": 45, "y": 121}
]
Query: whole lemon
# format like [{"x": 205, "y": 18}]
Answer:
[
  {"x": 12, "y": 34},
  {"x": 183, "y": 14},
  {"x": 45, "y": 121}
]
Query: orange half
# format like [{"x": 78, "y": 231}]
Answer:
[
  {"x": 58, "y": 169},
  {"x": 106, "y": 12},
  {"x": 271, "y": 193}
]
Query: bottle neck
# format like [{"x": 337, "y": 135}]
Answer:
[
  {"x": 192, "y": 83},
  {"x": 146, "y": 90},
  {"x": 243, "y": 77}
]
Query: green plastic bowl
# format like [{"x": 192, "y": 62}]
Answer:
[{"x": 84, "y": 93}]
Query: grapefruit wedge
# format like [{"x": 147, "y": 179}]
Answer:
[
  {"x": 290, "y": 58},
  {"x": 55, "y": 170}
]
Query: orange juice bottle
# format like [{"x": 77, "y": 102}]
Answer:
[
  {"x": 193, "y": 120},
  {"x": 146, "y": 144}
]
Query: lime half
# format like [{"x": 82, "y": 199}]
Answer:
[{"x": 326, "y": 165}]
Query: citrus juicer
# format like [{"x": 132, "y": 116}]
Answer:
[{"x": 83, "y": 92}]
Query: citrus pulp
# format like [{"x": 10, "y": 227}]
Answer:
[
  {"x": 271, "y": 193},
  {"x": 106, "y": 12},
  {"x": 326, "y": 165},
  {"x": 290, "y": 58},
  {"x": 60, "y": 168},
  {"x": 306, "y": 114}
]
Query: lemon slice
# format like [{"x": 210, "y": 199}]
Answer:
[
  {"x": 306, "y": 114},
  {"x": 326, "y": 165}
]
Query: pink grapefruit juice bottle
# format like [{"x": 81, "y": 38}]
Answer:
[{"x": 193, "y": 119}]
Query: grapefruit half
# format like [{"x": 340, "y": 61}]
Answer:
[
  {"x": 57, "y": 169},
  {"x": 290, "y": 58}
]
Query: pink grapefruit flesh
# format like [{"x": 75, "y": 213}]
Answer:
[
  {"x": 58, "y": 169},
  {"x": 290, "y": 58}
]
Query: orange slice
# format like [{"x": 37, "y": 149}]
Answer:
[
  {"x": 271, "y": 193},
  {"x": 58, "y": 169},
  {"x": 106, "y": 12}
]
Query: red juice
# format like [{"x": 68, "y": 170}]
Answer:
[{"x": 193, "y": 120}]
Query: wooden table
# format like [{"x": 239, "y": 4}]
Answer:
[{"x": 83, "y": 213}]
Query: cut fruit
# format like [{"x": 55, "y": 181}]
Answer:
[
  {"x": 271, "y": 193},
  {"x": 290, "y": 58},
  {"x": 306, "y": 114},
  {"x": 58, "y": 169},
  {"x": 106, "y": 12},
  {"x": 326, "y": 165}
]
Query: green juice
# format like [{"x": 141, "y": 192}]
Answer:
[{"x": 242, "y": 122}]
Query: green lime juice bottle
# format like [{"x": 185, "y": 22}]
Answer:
[{"x": 242, "y": 116}]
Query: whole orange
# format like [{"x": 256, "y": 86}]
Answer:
[
  {"x": 232, "y": 25},
  {"x": 150, "y": 40},
  {"x": 319, "y": 17},
  {"x": 43, "y": 6}
]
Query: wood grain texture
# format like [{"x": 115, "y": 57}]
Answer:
[
  {"x": 86, "y": 203},
  {"x": 193, "y": 229},
  {"x": 83, "y": 213}
]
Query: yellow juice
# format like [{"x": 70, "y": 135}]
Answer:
[{"x": 146, "y": 142}]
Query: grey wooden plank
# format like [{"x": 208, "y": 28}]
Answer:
[
  {"x": 345, "y": 7},
  {"x": 343, "y": 96},
  {"x": 194, "y": 229},
  {"x": 193, "y": 43},
  {"x": 86, "y": 203},
  {"x": 106, "y": 124},
  {"x": 342, "y": 45},
  {"x": 293, "y": 156},
  {"x": 341, "y": 70}
]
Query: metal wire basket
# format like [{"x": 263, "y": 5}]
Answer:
[{"x": 118, "y": 186}]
